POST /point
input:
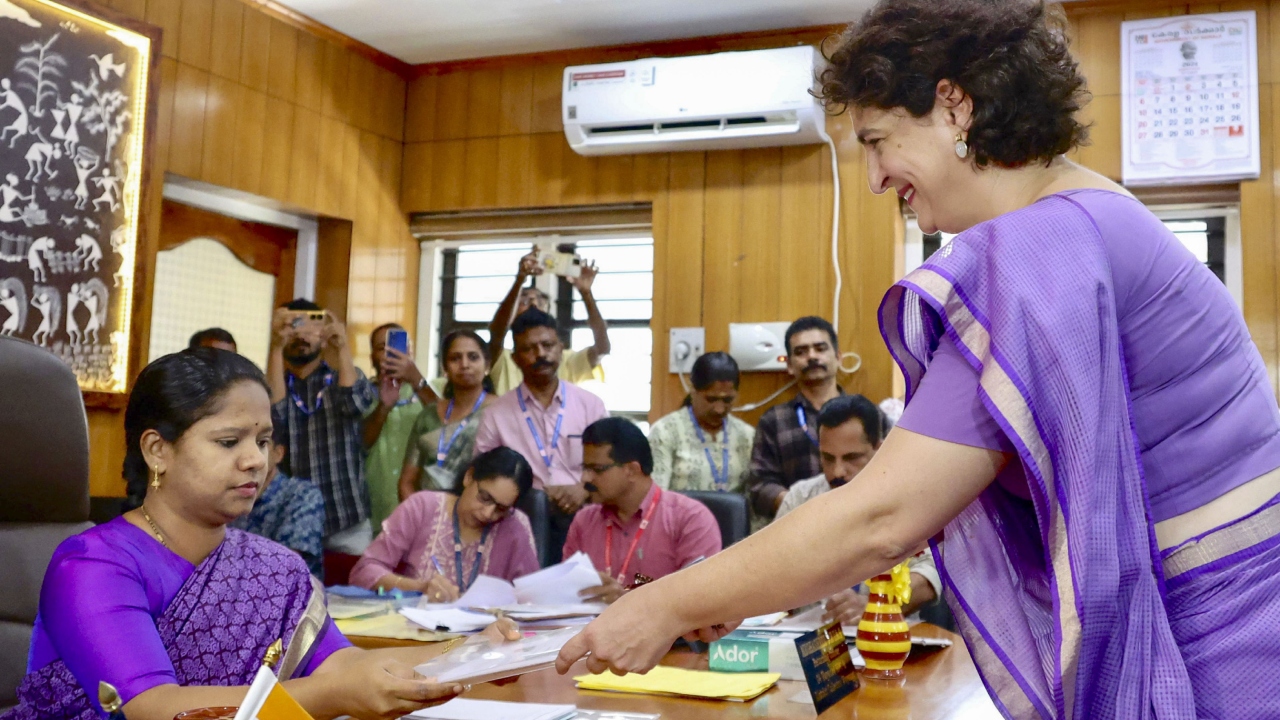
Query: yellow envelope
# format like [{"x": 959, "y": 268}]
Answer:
[{"x": 662, "y": 680}]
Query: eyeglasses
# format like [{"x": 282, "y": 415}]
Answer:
[
  {"x": 601, "y": 469},
  {"x": 487, "y": 500}
]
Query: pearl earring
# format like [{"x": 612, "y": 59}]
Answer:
[{"x": 962, "y": 147}]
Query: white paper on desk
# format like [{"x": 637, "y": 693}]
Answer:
[
  {"x": 466, "y": 709},
  {"x": 448, "y": 618},
  {"x": 553, "y": 612},
  {"x": 558, "y": 584},
  {"x": 488, "y": 592}
]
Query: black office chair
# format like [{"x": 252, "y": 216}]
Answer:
[
  {"x": 44, "y": 499},
  {"x": 535, "y": 505},
  {"x": 731, "y": 510}
]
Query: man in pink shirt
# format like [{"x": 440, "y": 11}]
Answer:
[
  {"x": 633, "y": 527},
  {"x": 543, "y": 419}
]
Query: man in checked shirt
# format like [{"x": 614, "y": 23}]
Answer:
[{"x": 320, "y": 397}]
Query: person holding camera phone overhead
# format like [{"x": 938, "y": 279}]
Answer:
[
  {"x": 576, "y": 365},
  {"x": 320, "y": 397}
]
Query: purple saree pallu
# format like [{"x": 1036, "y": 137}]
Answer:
[
  {"x": 1061, "y": 598},
  {"x": 246, "y": 595}
]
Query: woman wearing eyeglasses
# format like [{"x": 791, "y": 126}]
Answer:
[{"x": 438, "y": 543}]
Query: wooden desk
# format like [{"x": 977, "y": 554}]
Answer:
[{"x": 940, "y": 685}]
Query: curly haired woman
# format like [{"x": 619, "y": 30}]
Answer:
[{"x": 1089, "y": 430}]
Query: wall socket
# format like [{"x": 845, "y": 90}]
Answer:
[{"x": 686, "y": 344}]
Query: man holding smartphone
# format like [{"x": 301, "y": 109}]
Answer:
[
  {"x": 320, "y": 397},
  {"x": 402, "y": 392},
  {"x": 576, "y": 365}
]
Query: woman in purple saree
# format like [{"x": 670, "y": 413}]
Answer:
[
  {"x": 1091, "y": 441},
  {"x": 173, "y": 608}
]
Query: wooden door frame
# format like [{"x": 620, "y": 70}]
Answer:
[{"x": 181, "y": 223}]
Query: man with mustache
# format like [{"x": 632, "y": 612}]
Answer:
[
  {"x": 543, "y": 419},
  {"x": 786, "y": 445},
  {"x": 850, "y": 429},
  {"x": 320, "y": 398}
]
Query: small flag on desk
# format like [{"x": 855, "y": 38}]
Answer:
[{"x": 268, "y": 700}]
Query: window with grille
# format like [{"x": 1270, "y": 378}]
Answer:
[{"x": 474, "y": 278}]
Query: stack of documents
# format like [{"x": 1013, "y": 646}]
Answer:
[
  {"x": 448, "y": 619},
  {"x": 737, "y": 687},
  {"x": 463, "y": 709},
  {"x": 558, "y": 584}
]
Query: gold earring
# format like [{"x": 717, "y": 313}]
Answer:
[{"x": 155, "y": 479}]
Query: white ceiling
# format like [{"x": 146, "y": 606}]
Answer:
[{"x": 419, "y": 31}]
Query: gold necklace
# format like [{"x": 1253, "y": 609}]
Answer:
[{"x": 154, "y": 528}]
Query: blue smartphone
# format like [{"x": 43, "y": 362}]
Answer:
[{"x": 398, "y": 340}]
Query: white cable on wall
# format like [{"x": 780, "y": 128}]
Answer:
[{"x": 835, "y": 228}]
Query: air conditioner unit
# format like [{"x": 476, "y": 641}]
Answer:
[{"x": 759, "y": 98}]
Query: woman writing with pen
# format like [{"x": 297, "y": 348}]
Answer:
[{"x": 438, "y": 543}]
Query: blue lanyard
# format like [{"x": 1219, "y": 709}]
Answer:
[
  {"x": 457, "y": 550},
  {"x": 297, "y": 401},
  {"x": 537, "y": 437},
  {"x": 804, "y": 423},
  {"x": 442, "y": 449},
  {"x": 721, "y": 479}
]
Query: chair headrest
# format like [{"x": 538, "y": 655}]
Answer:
[{"x": 44, "y": 438}]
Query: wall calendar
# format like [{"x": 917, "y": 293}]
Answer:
[{"x": 1189, "y": 99}]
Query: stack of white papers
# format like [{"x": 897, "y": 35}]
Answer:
[
  {"x": 558, "y": 584},
  {"x": 463, "y": 709},
  {"x": 448, "y": 619}
]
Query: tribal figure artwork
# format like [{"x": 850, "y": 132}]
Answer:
[{"x": 73, "y": 113}]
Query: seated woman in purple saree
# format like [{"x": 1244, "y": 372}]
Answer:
[
  {"x": 174, "y": 609},
  {"x": 1090, "y": 440}
]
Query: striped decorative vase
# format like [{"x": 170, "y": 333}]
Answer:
[{"x": 883, "y": 636}]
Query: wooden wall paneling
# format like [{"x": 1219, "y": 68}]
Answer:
[
  {"x": 333, "y": 85},
  {"x": 394, "y": 243},
  {"x": 282, "y": 61},
  {"x": 415, "y": 179},
  {"x": 484, "y": 103},
  {"x": 679, "y": 211},
  {"x": 277, "y": 149},
  {"x": 251, "y": 121},
  {"x": 804, "y": 231},
  {"x": 452, "y": 94},
  {"x": 333, "y": 258},
  {"x": 614, "y": 175},
  {"x": 579, "y": 176},
  {"x": 226, "y": 33},
  {"x": 447, "y": 172},
  {"x": 329, "y": 187},
  {"x": 722, "y": 235},
  {"x": 166, "y": 15},
  {"x": 310, "y": 72},
  {"x": 350, "y": 172},
  {"x": 194, "y": 33},
  {"x": 758, "y": 296},
  {"x": 255, "y": 57},
  {"x": 361, "y": 308},
  {"x": 650, "y": 175},
  {"x": 1257, "y": 234},
  {"x": 547, "y": 80},
  {"x": 515, "y": 171},
  {"x": 106, "y": 456},
  {"x": 1098, "y": 52},
  {"x": 1102, "y": 153},
  {"x": 420, "y": 110},
  {"x": 548, "y": 178},
  {"x": 221, "y": 103},
  {"x": 136, "y": 9},
  {"x": 399, "y": 102},
  {"x": 304, "y": 167},
  {"x": 187, "y": 134},
  {"x": 359, "y": 95},
  {"x": 164, "y": 113},
  {"x": 480, "y": 184},
  {"x": 516, "y": 105}
]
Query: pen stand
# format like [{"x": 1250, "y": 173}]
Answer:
[{"x": 883, "y": 636}]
